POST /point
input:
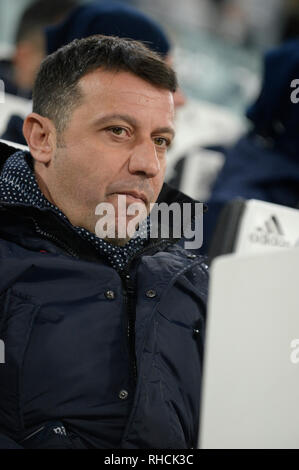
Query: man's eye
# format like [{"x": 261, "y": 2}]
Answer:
[
  {"x": 161, "y": 142},
  {"x": 117, "y": 130}
]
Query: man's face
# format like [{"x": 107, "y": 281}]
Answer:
[{"x": 115, "y": 143}]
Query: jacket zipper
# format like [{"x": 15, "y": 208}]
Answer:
[
  {"x": 130, "y": 303},
  {"x": 129, "y": 293},
  {"x": 58, "y": 242}
]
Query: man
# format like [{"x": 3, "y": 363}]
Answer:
[{"x": 103, "y": 339}]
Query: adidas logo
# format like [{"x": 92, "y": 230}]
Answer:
[{"x": 271, "y": 233}]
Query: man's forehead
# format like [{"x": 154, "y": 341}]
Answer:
[
  {"x": 122, "y": 84},
  {"x": 119, "y": 91}
]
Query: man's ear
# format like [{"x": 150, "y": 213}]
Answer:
[{"x": 40, "y": 134}]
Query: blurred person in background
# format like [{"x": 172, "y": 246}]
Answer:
[
  {"x": 19, "y": 71},
  {"x": 108, "y": 18},
  {"x": 264, "y": 163}
]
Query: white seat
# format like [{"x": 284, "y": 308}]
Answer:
[
  {"x": 250, "y": 371},
  {"x": 13, "y": 144},
  {"x": 13, "y": 105}
]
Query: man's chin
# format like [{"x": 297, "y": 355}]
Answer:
[{"x": 117, "y": 241}]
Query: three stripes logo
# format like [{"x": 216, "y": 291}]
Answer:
[{"x": 271, "y": 233}]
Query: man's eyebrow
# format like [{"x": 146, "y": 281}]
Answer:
[
  {"x": 110, "y": 117},
  {"x": 132, "y": 121},
  {"x": 165, "y": 130}
]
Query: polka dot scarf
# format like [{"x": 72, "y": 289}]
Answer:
[{"x": 18, "y": 185}]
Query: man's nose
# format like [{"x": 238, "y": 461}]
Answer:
[{"x": 144, "y": 159}]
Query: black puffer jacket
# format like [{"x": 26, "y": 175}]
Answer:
[{"x": 90, "y": 355}]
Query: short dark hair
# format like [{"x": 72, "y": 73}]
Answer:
[
  {"x": 41, "y": 13},
  {"x": 56, "y": 91}
]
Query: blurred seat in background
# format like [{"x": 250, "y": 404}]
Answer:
[
  {"x": 10, "y": 144},
  {"x": 13, "y": 111},
  {"x": 196, "y": 156}
]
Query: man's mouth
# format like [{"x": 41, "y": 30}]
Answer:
[{"x": 133, "y": 196}]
